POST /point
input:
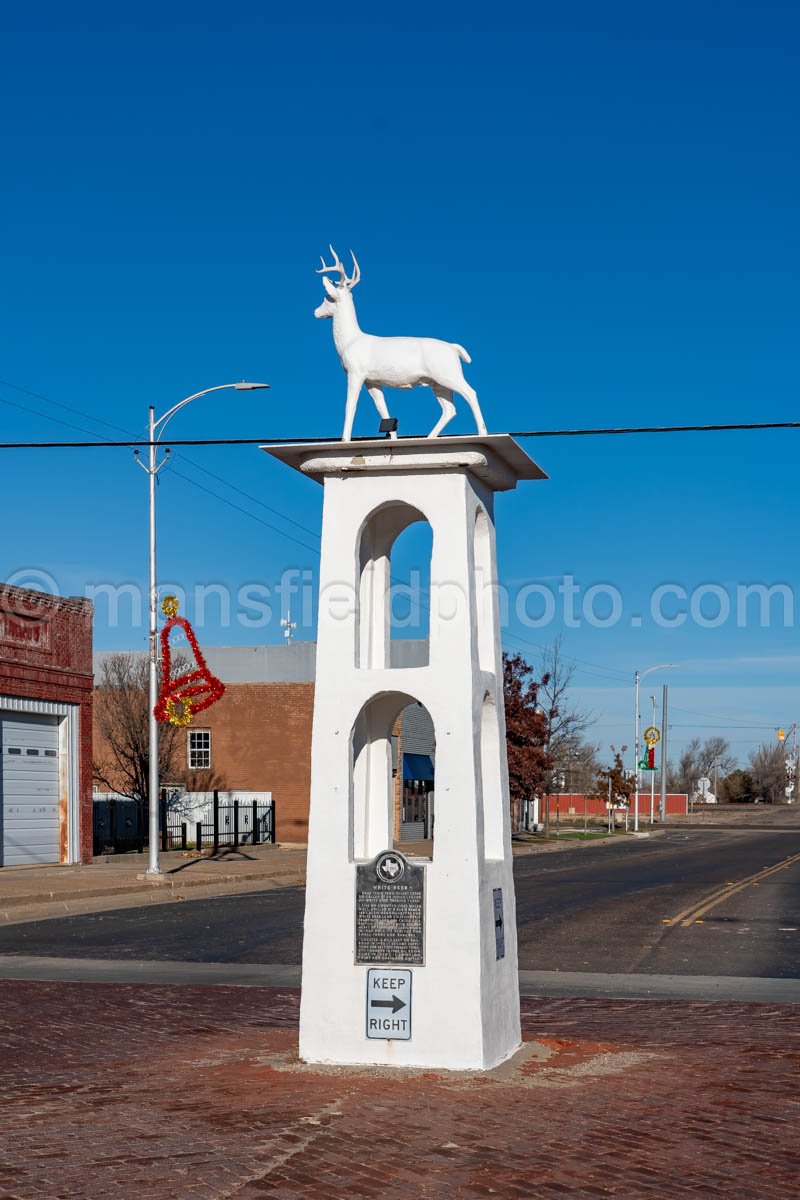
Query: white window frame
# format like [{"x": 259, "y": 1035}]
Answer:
[{"x": 198, "y": 750}]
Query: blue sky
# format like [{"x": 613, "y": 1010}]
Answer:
[{"x": 599, "y": 202}]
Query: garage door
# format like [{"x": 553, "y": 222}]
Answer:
[{"x": 29, "y": 790}]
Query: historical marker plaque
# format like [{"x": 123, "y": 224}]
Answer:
[{"x": 390, "y": 910}]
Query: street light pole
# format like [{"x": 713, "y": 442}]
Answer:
[
  {"x": 155, "y": 429},
  {"x": 152, "y": 470}
]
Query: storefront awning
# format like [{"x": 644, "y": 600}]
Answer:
[{"x": 418, "y": 766}]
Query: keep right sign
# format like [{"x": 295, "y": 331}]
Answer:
[{"x": 389, "y": 1004}]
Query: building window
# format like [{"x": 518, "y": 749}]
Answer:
[{"x": 199, "y": 749}]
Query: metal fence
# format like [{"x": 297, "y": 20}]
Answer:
[
  {"x": 121, "y": 825},
  {"x": 239, "y": 823}
]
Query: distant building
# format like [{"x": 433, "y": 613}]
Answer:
[
  {"x": 413, "y": 768},
  {"x": 45, "y": 728}
]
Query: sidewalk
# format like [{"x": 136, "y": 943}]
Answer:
[
  {"x": 119, "y": 881},
  {"x": 147, "y": 1092}
]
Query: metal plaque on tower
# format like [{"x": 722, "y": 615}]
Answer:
[{"x": 390, "y": 910}]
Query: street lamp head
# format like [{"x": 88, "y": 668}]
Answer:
[
  {"x": 657, "y": 667},
  {"x": 244, "y": 386}
]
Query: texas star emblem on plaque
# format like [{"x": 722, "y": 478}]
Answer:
[{"x": 390, "y": 867}]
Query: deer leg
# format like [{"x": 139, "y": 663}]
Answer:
[
  {"x": 353, "y": 388},
  {"x": 445, "y": 397},
  {"x": 380, "y": 404},
  {"x": 471, "y": 398}
]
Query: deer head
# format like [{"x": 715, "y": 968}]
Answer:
[{"x": 335, "y": 293}]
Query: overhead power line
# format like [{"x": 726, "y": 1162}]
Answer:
[
  {"x": 137, "y": 441},
  {"x": 615, "y": 430},
  {"x": 289, "y": 441}
]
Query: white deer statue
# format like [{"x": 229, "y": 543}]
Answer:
[{"x": 397, "y": 362}]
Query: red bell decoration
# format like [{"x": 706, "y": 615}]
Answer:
[{"x": 191, "y": 692}]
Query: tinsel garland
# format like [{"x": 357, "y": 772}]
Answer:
[{"x": 193, "y": 691}]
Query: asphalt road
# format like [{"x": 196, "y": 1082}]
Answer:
[{"x": 609, "y": 909}]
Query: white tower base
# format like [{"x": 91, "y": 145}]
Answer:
[{"x": 461, "y": 1003}]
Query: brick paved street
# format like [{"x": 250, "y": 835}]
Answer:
[{"x": 195, "y": 1093}]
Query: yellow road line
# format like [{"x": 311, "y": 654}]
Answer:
[{"x": 700, "y": 907}]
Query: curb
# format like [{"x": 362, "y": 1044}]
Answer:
[
  {"x": 154, "y": 884},
  {"x": 524, "y": 849}
]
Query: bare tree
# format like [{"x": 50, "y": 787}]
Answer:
[
  {"x": 615, "y": 781},
  {"x": 121, "y": 713},
  {"x": 698, "y": 760},
  {"x": 577, "y": 767},
  {"x": 716, "y": 752},
  {"x": 768, "y": 772},
  {"x": 685, "y": 776},
  {"x": 572, "y": 757}
]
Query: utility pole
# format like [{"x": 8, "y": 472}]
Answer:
[
  {"x": 288, "y": 625},
  {"x": 640, "y": 675},
  {"x": 664, "y": 756}
]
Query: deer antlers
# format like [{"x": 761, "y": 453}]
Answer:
[{"x": 337, "y": 266}]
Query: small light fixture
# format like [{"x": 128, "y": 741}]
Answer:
[
  {"x": 244, "y": 386},
  {"x": 388, "y": 426}
]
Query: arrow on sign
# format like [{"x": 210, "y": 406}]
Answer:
[{"x": 395, "y": 1004}]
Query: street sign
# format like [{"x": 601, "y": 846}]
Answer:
[{"x": 389, "y": 1004}]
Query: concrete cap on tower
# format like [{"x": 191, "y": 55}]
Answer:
[{"x": 496, "y": 459}]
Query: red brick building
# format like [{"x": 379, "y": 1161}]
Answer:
[
  {"x": 258, "y": 736},
  {"x": 45, "y": 728}
]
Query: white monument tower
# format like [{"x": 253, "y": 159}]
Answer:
[{"x": 408, "y": 961}]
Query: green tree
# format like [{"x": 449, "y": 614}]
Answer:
[{"x": 529, "y": 762}]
